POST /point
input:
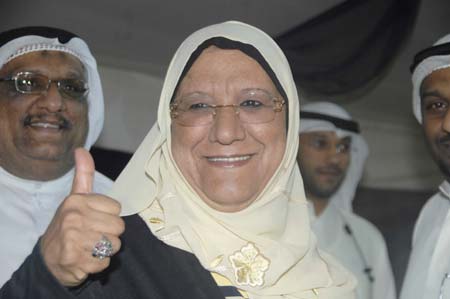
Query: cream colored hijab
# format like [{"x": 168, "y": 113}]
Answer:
[{"x": 266, "y": 249}]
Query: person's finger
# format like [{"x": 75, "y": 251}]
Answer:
[
  {"x": 104, "y": 223},
  {"x": 84, "y": 172},
  {"x": 104, "y": 204},
  {"x": 90, "y": 241}
]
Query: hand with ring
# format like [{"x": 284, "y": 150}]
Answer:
[
  {"x": 102, "y": 248},
  {"x": 85, "y": 230}
]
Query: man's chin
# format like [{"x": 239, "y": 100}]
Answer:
[
  {"x": 326, "y": 193},
  {"x": 444, "y": 166},
  {"x": 47, "y": 153}
]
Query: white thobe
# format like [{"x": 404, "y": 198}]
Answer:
[
  {"x": 27, "y": 208},
  {"x": 429, "y": 262},
  {"x": 363, "y": 247}
]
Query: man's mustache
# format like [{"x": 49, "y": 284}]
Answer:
[
  {"x": 331, "y": 168},
  {"x": 444, "y": 139},
  {"x": 61, "y": 121}
]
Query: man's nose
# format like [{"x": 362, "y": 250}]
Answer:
[
  {"x": 334, "y": 155},
  {"x": 51, "y": 100},
  {"x": 226, "y": 127}
]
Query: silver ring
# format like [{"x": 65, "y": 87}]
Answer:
[{"x": 102, "y": 248}]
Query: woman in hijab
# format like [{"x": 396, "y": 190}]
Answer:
[{"x": 213, "y": 199}]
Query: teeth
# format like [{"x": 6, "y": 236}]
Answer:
[
  {"x": 45, "y": 125},
  {"x": 229, "y": 159}
]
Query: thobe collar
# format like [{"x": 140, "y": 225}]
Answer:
[
  {"x": 445, "y": 189},
  {"x": 327, "y": 226},
  {"x": 32, "y": 185}
]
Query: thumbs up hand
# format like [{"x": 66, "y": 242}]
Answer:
[{"x": 82, "y": 220}]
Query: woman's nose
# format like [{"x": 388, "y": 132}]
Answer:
[{"x": 226, "y": 127}]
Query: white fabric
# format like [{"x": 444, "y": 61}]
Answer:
[
  {"x": 429, "y": 261},
  {"x": 344, "y": 196},
  {"x": 348, "y": 249},
  {"x": 276, "y": 224},
  {"x": 423, "y": 69},
  {"x": 430, "y": 256},
  {"x": 28, "y": 206},
  {"x": 329, "y": 226},
  {"x": 26, "y": 209}
]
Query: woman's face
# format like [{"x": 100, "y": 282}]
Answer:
[{"x": 228, "y": 162}]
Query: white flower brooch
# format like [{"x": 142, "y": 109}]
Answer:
[{"x": 249, "y": 266}]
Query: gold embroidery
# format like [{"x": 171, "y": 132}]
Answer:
[
  {"x": 155, "y": 220},
  {"x": 249, "y": 266},
  {"x": 216, "y": 261}
]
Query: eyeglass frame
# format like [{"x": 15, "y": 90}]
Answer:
[
  {"x": 278, "y": 107},
  {"x": 49, "y": 82}
]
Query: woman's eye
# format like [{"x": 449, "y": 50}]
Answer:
[
  {"x": 198, "y": 106},
  {"x": 251, "y": 103}
]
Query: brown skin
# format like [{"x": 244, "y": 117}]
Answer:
[
  {"x": 39, "y": 135},
  {"x": 435, "y": 103},
  {"x": 228, "y": 186},
  {"x": 28, "y": 150},
  {"x": 79, "y": 223},
  {"x": 323, "y": 159}
]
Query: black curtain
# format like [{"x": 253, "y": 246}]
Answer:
[
  {"x": 110, "y": 162},
  {"x": 347, "y": 47}
]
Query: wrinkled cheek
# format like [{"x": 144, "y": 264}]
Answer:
[{"x": 184, "y": 161}]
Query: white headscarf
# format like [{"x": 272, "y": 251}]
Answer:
[
  {"x": 271, "y": 238},
  {"x": 29, "y": 39},
  {"x": 423, "y": 69},
  {"x": 343, "y": 197}
]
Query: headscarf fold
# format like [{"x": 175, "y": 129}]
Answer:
[
  {"x": 266, "y": 249},
  {"x": 20, "y": 41},
  {"x": 344, "y": 196}
]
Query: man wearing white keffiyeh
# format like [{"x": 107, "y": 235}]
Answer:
[
  {"x": 428, "y": 274},
  {"x": 41, "y": 124},
  {"x": 331, "y": 156}
]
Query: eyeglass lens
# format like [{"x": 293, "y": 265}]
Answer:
[
  {"x": 30, "y": 83},
  {"x": 253, "y": 106}
]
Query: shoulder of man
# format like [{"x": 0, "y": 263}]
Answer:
[
  {"x": 371, "y": 241},
  {"x": 428, "y": 215},
  {"x": 362, "y": 226}
]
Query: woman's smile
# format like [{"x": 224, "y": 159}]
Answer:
[{"x": 229, "y": 161}]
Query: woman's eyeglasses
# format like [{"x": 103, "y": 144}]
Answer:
[
  {"x": 254, "y": 106},
  {"x": 33, "y": 83}
]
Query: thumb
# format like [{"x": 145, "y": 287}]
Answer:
[{"x": 84, "y": 172}]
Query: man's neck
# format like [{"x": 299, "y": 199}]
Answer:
[{"x": 319, "y": 204}]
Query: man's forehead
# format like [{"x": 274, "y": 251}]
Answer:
[
  {"x": 328, "y": 134},
  {"x": 47, "y": 61},
  {"x": 443, "y": 73}
]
